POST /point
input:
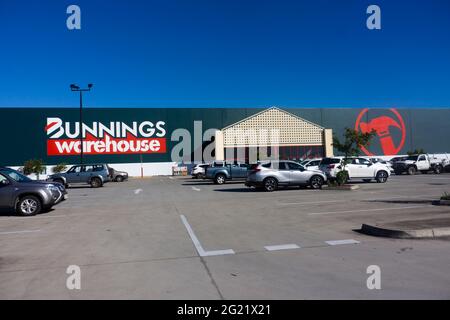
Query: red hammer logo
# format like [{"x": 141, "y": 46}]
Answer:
[{"x": 382, "y": 126}]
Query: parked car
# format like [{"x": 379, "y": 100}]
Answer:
[
  {"x": 357, "y": 168},
  {"x": 28, "y": 197},
  {"x": 198, "y": 171},
  {"x": 270, "y": 175},
  {"x": 395, "y": 159},
  {"x": 422, "y": 162},
  {"x": 387, "y": 163},
  {"x": 95, "y": 175},
  {"x": 117, "y": 176},
  {"x": 311, "y": 164},
  {"x": 223, "y": 172}
]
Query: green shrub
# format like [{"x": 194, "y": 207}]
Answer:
[
  {"x": 445, "y": 196},
  {"x": 416, "y": 151},
  {"x": 35, "y": 166},
  {"x": 60, "y": 167},
  {"x": 342, "y": 177}
]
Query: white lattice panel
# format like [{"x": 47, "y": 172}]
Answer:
[{"x": 273, "y": 126}]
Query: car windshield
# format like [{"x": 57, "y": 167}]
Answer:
[
  {"x": 13, "y": 174},
  {"x": 413, "y": 158}
]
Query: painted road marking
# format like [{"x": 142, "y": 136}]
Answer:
[
  {"x": 312, "y": 202},
  {"x": 368, "y": 199},
  {"x": 339, "y": 242},
  {"x": 137, "y": 191},
  {"x": 197, "y": 244},
  {"x": 18, "y": 232},
  {"x": 369, "y": 210},
  {"x": 282, "y": 247},
  {"x": 196, "y": 189}
]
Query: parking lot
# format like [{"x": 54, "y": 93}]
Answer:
[{"x": 180, "y": 238}]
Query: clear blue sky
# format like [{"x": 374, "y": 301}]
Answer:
[{"x": 226, "y": 53}]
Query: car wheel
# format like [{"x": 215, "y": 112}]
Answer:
[
  {"x": 412, "y": 170},
  {"x": 270, "y": 184},
  {"x": 438, "y": 170},
  {"x": 29, "y": 206},
  {"x": 220, "y": 179},
  {"x": 96, "y": 183},
  {"x": 382, "y": 176},
  {"x": 316, "y": 182},
  {"x": 119, "y": 179},
  {"x": 367, "y": 180}
]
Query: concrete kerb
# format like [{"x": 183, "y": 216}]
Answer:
[
  {"x": 405, "y": 234},
  {"x": 441, "y": 202}
]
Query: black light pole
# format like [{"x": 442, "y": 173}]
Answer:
[{"x": 74, "y": 87}]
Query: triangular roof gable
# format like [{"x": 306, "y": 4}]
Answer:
[{"x": 270, "y": 109}]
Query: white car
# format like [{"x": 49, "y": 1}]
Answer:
[
  {"x": 198, "y": 171},
  {"x": 387, "y": 163},
  {"x": 311, "y": 164},
  {"x": 357, "y": 168}
]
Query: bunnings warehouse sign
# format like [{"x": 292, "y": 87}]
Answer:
[
  {"x": 151, "y": 134},
  {"x": 115, "y": 137}
]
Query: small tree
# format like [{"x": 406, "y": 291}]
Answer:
[
  {"x": 351, "y": 147},
  {"x": 60, "y": 167},
  {"x": 35, "y": 166}
]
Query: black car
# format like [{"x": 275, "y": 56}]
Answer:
[{"x": 28, "y": 197}]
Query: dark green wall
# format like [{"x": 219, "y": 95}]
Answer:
[{"x": 23, "y": 136}]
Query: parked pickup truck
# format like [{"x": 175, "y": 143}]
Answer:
[
  {"x": 221, "y": 172},
  {"x": 422, "y": 162}
]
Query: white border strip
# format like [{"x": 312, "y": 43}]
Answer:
[
  {"x": 340, "y": 242},
  {"x": 282, "y": 247},
  {"x": 197, "y": 244},
  {"x": 18, "y": 232},
  {"x": 369, "y": 210}
]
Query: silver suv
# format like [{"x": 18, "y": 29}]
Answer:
[
  {"x": 28, "y": 197},
  {"x": 271, "y": 175},
  {"x": 94, "y": 174}
]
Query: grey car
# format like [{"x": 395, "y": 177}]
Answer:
[
  {"x": 270, "y": 175},
  {"x": 95, "y": 175},
  {"x": 117, "y": 176},
  {"x": 25, "y": 196}
]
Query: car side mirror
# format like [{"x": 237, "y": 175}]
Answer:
[{"x": 4, "y": 182}]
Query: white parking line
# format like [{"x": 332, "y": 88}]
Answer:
[
  {"x": 198, "y": 245},
  {"x": 282, "y": 247},
  {"x": 312, "y": 202},
  {"x": 18, "y": 232},
  {"x": 369, "y": 210},
  {"x": 196, "y": 189},
  {"x": 339, "y": 242},
  {"x": 137, "y": 191},
  {"x": 368, "y": 199}
]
